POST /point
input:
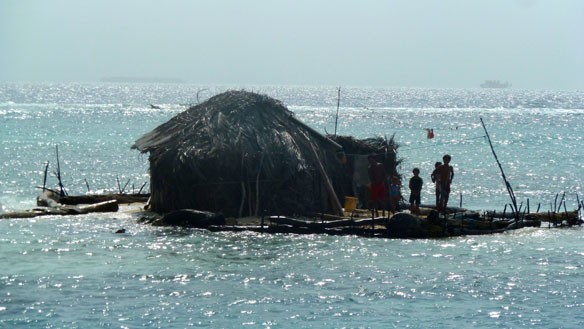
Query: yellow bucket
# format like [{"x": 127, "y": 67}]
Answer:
[{"x": 350, "y": 203}]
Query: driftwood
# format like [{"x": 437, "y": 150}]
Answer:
[
  {"x": 464, "y": 215},
  {"x": 97, "y": 198},
  {"x": 326, "y": 224},
  {"x": 567, "y": 217},
  {"x": 288, "y": 229},
  {"x": 499, "y": 214},
  {"x": 524, "y": 223},
  {"x": 49, "y": 204},
  {"x": 51, "y": 198},
  {"x": 105, "y": 206},
  {"x": 23, "y": 214},
  {"x": 457, "y": 231},
  {"x": 60, "y": 209}
]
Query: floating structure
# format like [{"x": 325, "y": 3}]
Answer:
[
  {"x": 241, "y": 161},
  {"x": 360, "y": 222}
]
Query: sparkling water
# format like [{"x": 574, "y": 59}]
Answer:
[{"x": 75, "y": 272}]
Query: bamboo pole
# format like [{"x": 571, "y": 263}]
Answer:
[
  {"x": 124, "y": 188},
  {"x": 61, "y": 187},
  {"x": 141, "y": 187},
  {"x": 562, "y": 200},
  {"x": 257, "y": 205},
  {"x": 507, "y": 185},
  {"x": 243, "y": 190},
  {"x": 45, "y": 175},
  {"x": 335, "y": 203},
  {"x": 338, "y": 105}
]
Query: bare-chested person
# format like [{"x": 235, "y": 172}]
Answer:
[
  {"x": 445, "y": 174},
  {"x": 434, "y": 177}
]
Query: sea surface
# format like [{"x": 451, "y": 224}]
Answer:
[{"x": 75, "y": 272}]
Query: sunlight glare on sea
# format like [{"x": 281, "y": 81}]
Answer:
[{"x": 76, "y": 272}]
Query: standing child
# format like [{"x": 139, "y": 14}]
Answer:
[
  {"x": 394, "y": 193},
  {"x": 436, "y": 181},
  {"x": 416, "y": 184}
]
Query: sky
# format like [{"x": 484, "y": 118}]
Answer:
[{"x": 532, "y": 44}]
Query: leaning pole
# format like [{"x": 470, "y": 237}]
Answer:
[{"x": 509, "y": 188}]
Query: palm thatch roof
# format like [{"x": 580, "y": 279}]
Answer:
[
  {"x": 240, "y": 153},
  {"x": 384, "y": 150}
]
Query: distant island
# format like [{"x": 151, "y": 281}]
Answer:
[
  {"x": 141, "y": 80},
  {"x": 495, "y": 84}
]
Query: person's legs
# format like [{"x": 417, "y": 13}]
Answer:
[
  {"x": 417, "y": 202},
  {"x": 377, "y": 197},
  {"x": 444, "y": 194}
]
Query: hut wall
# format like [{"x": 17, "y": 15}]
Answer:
[{"x": 243, "y": 185}]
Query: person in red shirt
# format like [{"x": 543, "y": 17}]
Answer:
[{"x": 377, "y": 178}]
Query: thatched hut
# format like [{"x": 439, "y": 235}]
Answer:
[{"x": 241, "y": 153}]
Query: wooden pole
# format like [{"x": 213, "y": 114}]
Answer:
[
  {"x": 562, "y": 200},
  {"x": 61, "y": 187},
  {"x": 45, "y": 175},
  {"x": 243, "y": 191},
  {"x": 338, "y": 105},
  {"x": 509, "y": 188},
  {"x": 124, "y": 188},
  {"x": 335, "y": 203},
  {"x": 257, "y": 205},
  {"x": 141, "y": 187}
]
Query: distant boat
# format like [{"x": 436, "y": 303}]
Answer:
[
  {"x": 140, "y": 80},
  {"x": 495, "y": 84}
]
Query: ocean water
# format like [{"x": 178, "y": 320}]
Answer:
[{"x": 75, "y": 272}]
